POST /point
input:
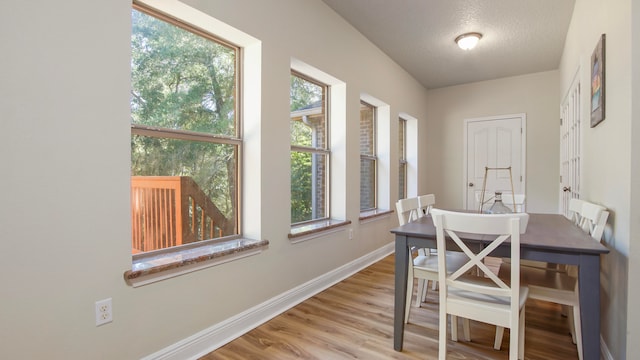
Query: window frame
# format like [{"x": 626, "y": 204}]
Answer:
[
  {"x": 326, "y": 151},
  {"x": 403, "y": 163},
  {"x": 187, "y": 135},
  {"x": 371, "y": 157}
]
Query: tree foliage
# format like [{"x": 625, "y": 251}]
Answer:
[
  {"x": 301, "y": 195},
  {"x": 182, "y": 81},
  {"x": 304, "y": 95}
]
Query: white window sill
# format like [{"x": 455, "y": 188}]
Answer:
[
  {"x": 316, "y": 229},
  {"x": 374, "y": 215}
]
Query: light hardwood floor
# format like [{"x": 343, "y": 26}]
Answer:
[{"x": 354, "y": 320}]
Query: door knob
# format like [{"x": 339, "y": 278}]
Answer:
[
  {"x": 565, "y": 189},
  {"x": 470, "y": 184}
]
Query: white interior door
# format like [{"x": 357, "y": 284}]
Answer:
[
  {"x": 570, "y": 147},
  {"x": 495, "y": 142}
]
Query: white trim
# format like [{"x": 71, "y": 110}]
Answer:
[
  {"x": 317, "y": 74},
  {"x": 523, "y": 153},
  {"x": 206, "y": 22},
  {"x": 375, "y": 218},
  {"x": 205, "y": 341},
  {"x": 570, "y": 111},
  {"x": 411, "y": 143},
  {"x": 316, "y": 235}
]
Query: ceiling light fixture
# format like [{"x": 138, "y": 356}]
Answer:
[{"x": 468, "y": 41}]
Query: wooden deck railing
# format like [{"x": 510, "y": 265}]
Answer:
[{"x": 168, "y": 211}]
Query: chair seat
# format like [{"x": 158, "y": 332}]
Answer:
[
  {"x": 545, "y": 284},
  {"x": 455, "y": 260},
  {"x": 490, "y": 301}
]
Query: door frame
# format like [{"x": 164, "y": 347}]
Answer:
[
  {"x": 523, "y": 150},
  {"x": 573, "y": 108}
]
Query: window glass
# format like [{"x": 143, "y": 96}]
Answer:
[
  {"x": 184, "y": 134},
  {"x": 368, "y": 161},
  {"x": 309, "y": 151},
  {"x": 402, "y": 150}
]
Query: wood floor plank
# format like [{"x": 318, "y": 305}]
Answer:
[{"x": 354, "y": 320}]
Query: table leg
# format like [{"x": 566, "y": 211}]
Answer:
[
  {"x": 589, "y": 289},
  {"x": 401, "y": 273}
]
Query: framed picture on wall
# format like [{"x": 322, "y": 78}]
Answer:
[{"x": 597, "y": 83}]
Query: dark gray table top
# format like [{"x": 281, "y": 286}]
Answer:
[{"x": 551, "y": 232}]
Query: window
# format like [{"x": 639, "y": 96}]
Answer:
[
  {"x": 310, "y": 152},
  {"x": 368, "y": 159},
  {"x": 402, "y": 150},
  {"x": 185, "y": 134}
]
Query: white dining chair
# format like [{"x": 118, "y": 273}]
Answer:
[
  {"x": 485, "y": 298},
  {"x": 561, "y": 287},
  {"x": 593, "y": 219},
  {"x": 424, "y": 267},
  {"x": 517, "y": 204},
  {"x": 425, "y": 203},
  {"x": 575, "y": 207}
]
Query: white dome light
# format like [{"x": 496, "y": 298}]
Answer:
[{"x": 468, "y": 41}]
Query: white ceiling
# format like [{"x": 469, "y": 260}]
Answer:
[{"x": 519, "y": 36}]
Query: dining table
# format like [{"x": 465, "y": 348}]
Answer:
[{"x": 549, "y": 238}]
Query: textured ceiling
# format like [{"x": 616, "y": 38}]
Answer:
[{"x": 519, "y": 36}]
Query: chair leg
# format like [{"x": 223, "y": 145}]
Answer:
[
  {"x": 466, "y": 330},
  {"x": 572, "y": 326},
  {"x": 521, "y": 335},
  {"x": 514, "y": 340},
  {"x": 442, "y": 336},
  {"x": 578, "y": 326},
  {"x": 423, "y": 284},
  {"x": 516, "y": 333},
  {"x": 426, "y": 288},
  {"x": 497, "y": 343},
  {"x": 434, "y": 287},
  {"x": 407, "y": 308},
  {"x": 454, "y": 328}
]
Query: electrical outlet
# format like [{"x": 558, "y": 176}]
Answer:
[
  {"x": 350, "y": 234},
  {"x": 104, "y": 312}
]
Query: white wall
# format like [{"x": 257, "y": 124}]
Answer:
[
  {"x": 64, "y": 154},
  {"x": 606, "y": 176},
  {"x": 64, "y": 159},
  {"x": 633, "y": 312},
  {"x": 534, "y": 94}
]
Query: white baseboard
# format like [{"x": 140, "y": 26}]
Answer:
[{"x": 219, "y": 334}]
